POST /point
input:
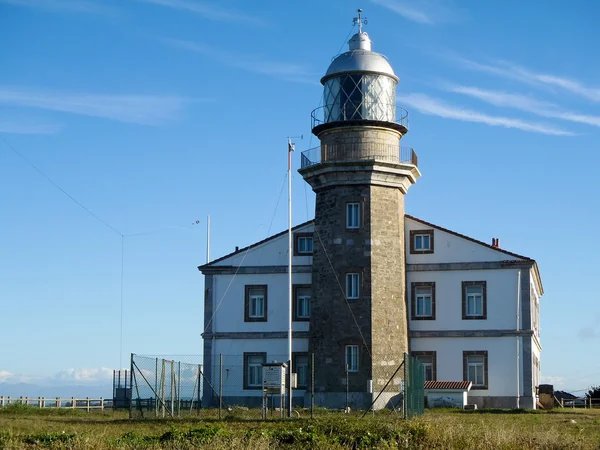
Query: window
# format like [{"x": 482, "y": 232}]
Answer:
[
  {"x": 255, "y": 304},
  {"x": 303, "y": 244},
  {"x": 428, "y": 359},
  {"x": 352, "y": 215},
  {"x": 352, "y": 286},
  {"x": 475, "y": 368},
  {"x": 423, "y": 301},
  {"x": 351, "y": 358},
  {"x": 302, "y": 294},
  {"x": 421, "y": 241},
  {"x": 302, "y": 369},
  {"x": 253, "y": 371},
  {"x": 474, "y": 300}
]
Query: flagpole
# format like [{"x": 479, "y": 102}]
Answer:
[{"x": 290, "y": 293}]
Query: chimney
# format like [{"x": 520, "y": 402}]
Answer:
[
  {"x": 496, "y": 242},
  {"x": 237, "y": 249}
]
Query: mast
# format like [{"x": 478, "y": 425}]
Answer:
[{"x": 290, "y": 294}]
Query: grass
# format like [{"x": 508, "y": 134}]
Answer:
[{"x": 27, "y": 428}]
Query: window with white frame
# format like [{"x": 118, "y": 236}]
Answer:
[
  {"x": 423, "y": 301},
  {"x": 302, "y": 302},
  {"x": 421, "y": 241},
  {"x": 253, "y": 370},
  {"x": 474, "y": 300},
  {"x": 353, "y": 215},
  {"x": 352, "y": 286},
  {"x": 301, "y": 368},
  {"x": 255, "y": 303},
  {"x": 428, "y": 359},
  {"x": 303, "y": 244},
  {"x": 475, "y": 366},
  {"x": 351, "y": 359}
]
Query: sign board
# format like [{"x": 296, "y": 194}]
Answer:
[{"x": 274, "y": 378}]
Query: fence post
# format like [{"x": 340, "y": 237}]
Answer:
[
  {"x": 101, "y": 404},
  {"x": 58, "y": 401},
  {"x": 179, "y": 389},
  {"x": 130, "y": 386},
  {"x": 347, "y": 389},
  {"x": 73, "y": 402},
  {"x": 156, "y": 389},
  {"x": 312, "y": 385},
  {"x": 220, "y": 383}
]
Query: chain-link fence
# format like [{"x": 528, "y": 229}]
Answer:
[{"x": 256, "y": 386}]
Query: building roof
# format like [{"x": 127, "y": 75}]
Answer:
[
  {"x": 521, "y": 258},
  {"x": 448, "y": 385},
  {"x": 245, "y": 249},
  {"x": 498, "y": 249}
]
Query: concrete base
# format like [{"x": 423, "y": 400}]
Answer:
[
  {"x": 356, "y": 400},
  {"x": 484, "y": 402}
]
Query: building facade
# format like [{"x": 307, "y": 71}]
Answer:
[{"x": 369, "y": 281}]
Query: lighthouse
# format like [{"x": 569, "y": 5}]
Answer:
[{"x": 360, "y": 174}]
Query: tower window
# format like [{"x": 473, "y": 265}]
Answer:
[
  {"x": 351, "y": 359},
  {"x": 423, "y": 301},
  {"x": 302, "y": 294},
  {"x": 255, "y": 303},
  {"x": 421, "y": 241},
  {"x": 428, "y": 359},
  {"x": 352, "y": 286},
  {"x": 474, "y": 300},
  {"x": 475, "y": 368},
  {"x": 353, "y": 215},
  {"x": 253, "y": 371},
  {"x": 302, "y": 369},
  {"x": 303, "y": 244}
]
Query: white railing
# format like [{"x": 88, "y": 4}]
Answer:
[{"x": 57, "y": 402}]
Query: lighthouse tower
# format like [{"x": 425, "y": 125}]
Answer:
[{"x": 360, "y": 174}]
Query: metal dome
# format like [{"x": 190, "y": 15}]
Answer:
[{"x": 360, "y": 58}]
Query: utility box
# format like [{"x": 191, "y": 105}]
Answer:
[
  {"x": 274, "y": 378},
  {"x": 546, "y": 395}
]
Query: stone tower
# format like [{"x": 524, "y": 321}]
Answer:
[{"x": 360, "y": 174}]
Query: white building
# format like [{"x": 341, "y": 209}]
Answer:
[{"x": 369, "y": 280}]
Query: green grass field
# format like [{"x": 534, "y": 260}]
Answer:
[{"x": 28, "y": 427}]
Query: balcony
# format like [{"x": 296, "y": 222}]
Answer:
[
  {"x": 365, "y": 113},
  {"x": 359, "y": 152}
]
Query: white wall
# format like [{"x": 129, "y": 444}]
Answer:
[
  {"x": 274, "y": 252},
  {"x": 233, "y": 360},
  {"x": 501, "y": 286},
  {"x": 450, "y": 248},
  {"x": 502, "y": 361},
  {"x": 229, "y": 294}
]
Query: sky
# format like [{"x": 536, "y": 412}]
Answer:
[{"x": 124, "y": 124}]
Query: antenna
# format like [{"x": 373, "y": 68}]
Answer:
[{"x": 359, "y": 20}]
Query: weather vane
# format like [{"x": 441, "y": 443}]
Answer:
[{"x": 359, "y": 20}]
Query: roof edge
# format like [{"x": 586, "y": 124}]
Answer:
[
  {"x": 476, "y": 241},
  {"x": 256, "y": 244}
]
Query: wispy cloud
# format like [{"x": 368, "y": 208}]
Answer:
[
  {"x": 251, "y": 63},
  {"x": 428, "y": 12},
  {"x": 524, "y": 103},
  {"x": 591, "y": 331},
  {"x": 80, "y": 6},
  {"x": 428, "y": 105},
  {"x": 79, "y": 375},
  {"x": 514, "y": 71},
  {"x": 207, "y": 10},
  {"x": 13, "y": 127},
  {"x": 138, "y": 109}
]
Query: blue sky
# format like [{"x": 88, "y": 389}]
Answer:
[{"x": 154, "y": 114}]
